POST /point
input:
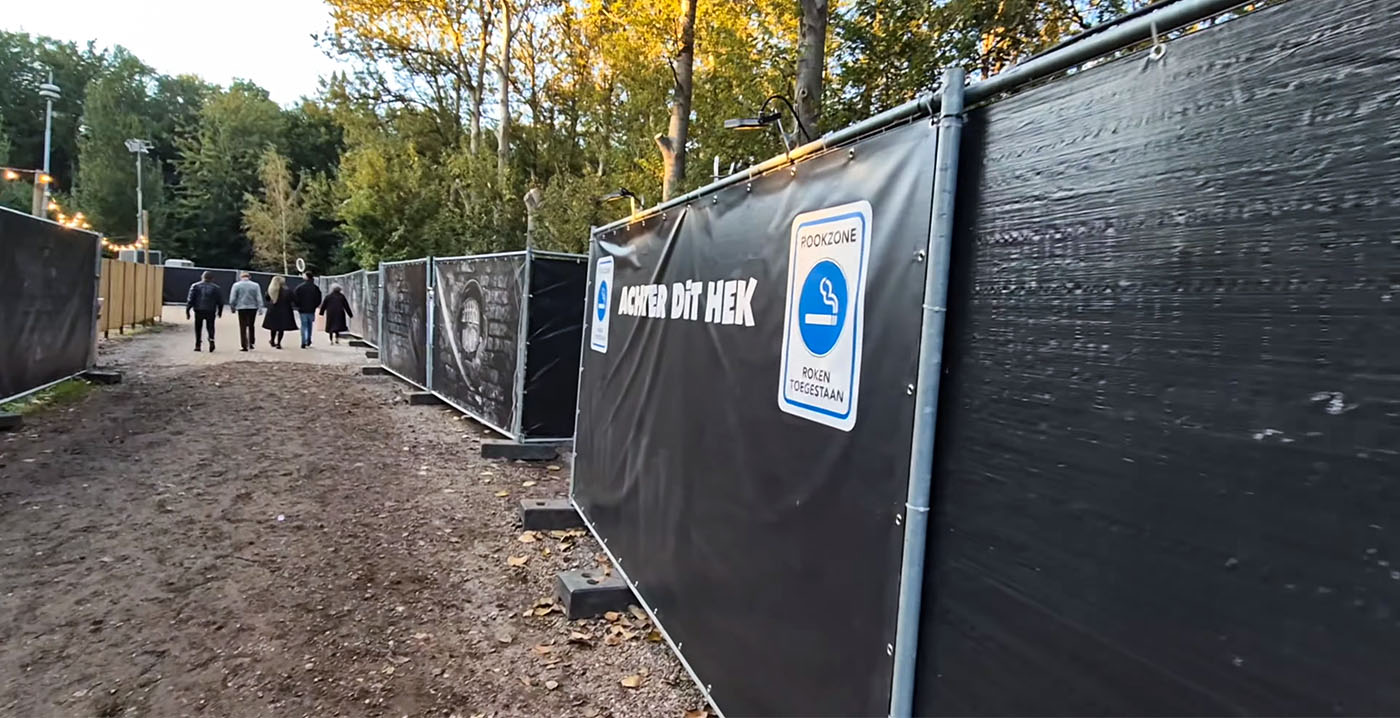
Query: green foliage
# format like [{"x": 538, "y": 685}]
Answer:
[
  {"x": 218, "y": 165},
  {"x": 117, "y": 108},
  {"x": 397, "y": 156}
]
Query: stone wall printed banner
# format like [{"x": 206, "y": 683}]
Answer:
[
  {"x": 371, "y": 308},
  {"x": 48, "y": 292},
  {"x": 476, "y": 334},
  {"x": 404, "y": 345},
  {"x": 744, "y": 421}
]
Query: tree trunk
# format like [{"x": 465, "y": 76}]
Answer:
[
  {"x": 503, "y": 135},
  {"x": 811, "y": 63},
  {"x": 672, "y": 146},
  {"x": 478, "y": 89}
]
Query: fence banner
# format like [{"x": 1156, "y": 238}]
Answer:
[
  {"x": 1167, "y": 450},
  {"x": 476, "y": 335},
  {"x": 48, "y": 285},
  {"x": 558, "y": 289},
  {"x": 353, "y": 284},
  {"x": 404, "y": 347},
  {"x": 370, "y": 312},
  {"x": 745, "y": 424}
]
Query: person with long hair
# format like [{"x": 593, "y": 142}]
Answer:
[
  {"x": 280, "y": 317},
  {"x": 335, "y": 309}
]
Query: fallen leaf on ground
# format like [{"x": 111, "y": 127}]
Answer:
[
  {"x": 502, "y": 494},
  {"x": 555, "y": 467},
  {"x": 527, "y": 484},
  {"x": 632, "y": 682},
  {"x": 654, "y": 636},
  {"x": 638, "y": 613},
  {"x": 699, "y": 713},
  {"x": 612, "y": 616},
  {"x": 517, "y": 560},
  {"x": 543, "y": 649},
  {"x": 583, "y": 639},
  {"x": 529, "y": 537}
]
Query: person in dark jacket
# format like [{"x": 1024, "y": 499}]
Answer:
[
  {"x": 280, "y": 318},
  {"x": 307, "y": 299},
  {"x": 206, "y": 300},
  {"x": 336, "y": 308}
]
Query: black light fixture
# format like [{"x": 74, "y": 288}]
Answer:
[
  {"x": 623, "y": 192},
  {"x": 766, "y": 118}
]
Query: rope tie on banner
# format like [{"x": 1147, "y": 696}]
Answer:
[{"x": 1159, "y": 48}]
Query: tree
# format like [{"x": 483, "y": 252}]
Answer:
[
  {"x": 117, "y": 108},
  {"x": 274, "y": 222},
  {"x": 683, "y": 69},
  {"x": 811, "y": 63},
  {"x": 218, "y": 165}
]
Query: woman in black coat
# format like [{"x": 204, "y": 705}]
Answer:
[
  {"x": 336, "y": 309},
  {"x": 281, "y": 318}
]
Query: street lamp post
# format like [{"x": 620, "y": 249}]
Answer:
[
  {"x": 49, "y": 92},
  {"x": 138, "y": 148}
]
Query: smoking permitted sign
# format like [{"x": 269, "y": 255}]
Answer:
[
  {"x": 602, "y": 305},
  {"x": 825, "y": 314}
]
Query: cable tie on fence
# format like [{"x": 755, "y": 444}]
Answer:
[
  {"x": 934, "y": 308},
  {"x": 920, "y": 509},
  {"x": 1158, "y": 47}
]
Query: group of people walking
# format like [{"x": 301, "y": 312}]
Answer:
[{"x": 246, "y": 297}]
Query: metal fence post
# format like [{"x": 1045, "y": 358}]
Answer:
[
  {"x": 430, "y": 268},
  {"x": 940, "y": 242}
]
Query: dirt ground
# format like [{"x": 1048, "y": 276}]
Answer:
[{"x": 232, "y": 535}]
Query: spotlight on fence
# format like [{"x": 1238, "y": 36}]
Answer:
[
  {"x": 744, "y": 124},
  {"x": 766, "y": 119},
  {"x": 621, "y": 193}
]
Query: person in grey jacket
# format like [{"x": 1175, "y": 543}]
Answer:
[
  {"x": 205, "y": 300},
  {"x": 246, "y": 298}
]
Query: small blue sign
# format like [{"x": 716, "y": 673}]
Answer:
[
  {"x": 821, "y": 307},
  {"x": 602, "y": 300}
]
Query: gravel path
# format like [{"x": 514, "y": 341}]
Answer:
[{"x": 225, "y": 535}]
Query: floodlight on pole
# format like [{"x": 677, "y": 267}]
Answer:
[
  {"x": 139, "y": 147},
  {"x": 50, "y": 92}
]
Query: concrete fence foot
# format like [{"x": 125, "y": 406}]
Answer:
[
  {"x": 549, "y": 515},
  {"x": 588, "y": 592},
  {"x": 518, "y": 451}
]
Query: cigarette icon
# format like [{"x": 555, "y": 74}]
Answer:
[{"x": 829, "y": 298}]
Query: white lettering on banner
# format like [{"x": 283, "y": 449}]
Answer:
[
  {"x": 727, "y": 301},
  {"x": 824, "y": 320},
  {"x": 602, "y": 304}
]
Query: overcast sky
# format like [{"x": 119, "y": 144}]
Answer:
[{"x": 266, "y": 41}]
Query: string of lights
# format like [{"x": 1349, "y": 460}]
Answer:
[{"x": 77, "y": 220}]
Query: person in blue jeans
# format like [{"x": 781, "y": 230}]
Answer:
[{"x": 307, "y": 299}]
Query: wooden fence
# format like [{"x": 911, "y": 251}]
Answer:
[{"x": 131, "y": 294}]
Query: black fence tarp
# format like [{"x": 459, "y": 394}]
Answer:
[
  {"x": 404, "y": 346},
  {"x": 558, "y": 285},
  {"x": 1166, "y": 467},
  {"x": 742, "y": 454},
  {"x": 369, "y": 309},
  {"x": 47, "y": 301},
  {"x": 176, "y": 284},
  {"x": 476, "y": 335}
]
